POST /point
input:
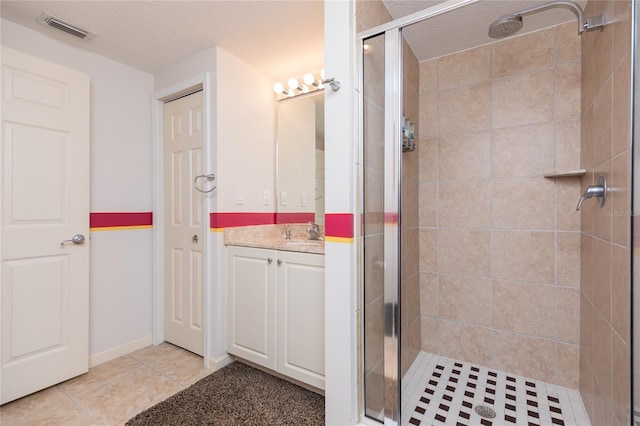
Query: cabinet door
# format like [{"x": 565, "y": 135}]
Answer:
[
  {"x": 301, "y": 317},
  {"x": 252, "y": 303}
]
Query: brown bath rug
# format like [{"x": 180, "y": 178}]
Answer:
[{"x": 237, "y": 395}]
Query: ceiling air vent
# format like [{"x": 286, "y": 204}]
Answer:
[{"x": 61, "y": 25}]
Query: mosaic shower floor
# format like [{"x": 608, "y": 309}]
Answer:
[{"x": 440, "y": 391}]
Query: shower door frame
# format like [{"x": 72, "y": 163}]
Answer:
[
  {"x": 392, "y": 201},
  {"x": 634, "y": 179}
]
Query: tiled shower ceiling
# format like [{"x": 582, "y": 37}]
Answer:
[{"x": 467, "y": 27}]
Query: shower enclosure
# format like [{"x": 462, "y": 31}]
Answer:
[{"x": 486, "y": 297}]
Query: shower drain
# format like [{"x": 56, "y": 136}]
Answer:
[{"x": 484, "y": 411}]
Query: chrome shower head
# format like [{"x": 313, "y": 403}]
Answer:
[
  {"x": 505, "y": 26},
  {"x": 508, "y": 25}
]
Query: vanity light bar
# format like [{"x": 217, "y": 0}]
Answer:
[{"x": 309, "y": 84}]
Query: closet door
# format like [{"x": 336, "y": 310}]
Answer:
[{"x": 184, "y": 225}]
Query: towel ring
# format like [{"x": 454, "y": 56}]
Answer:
[{"x": 210, "y": 176}]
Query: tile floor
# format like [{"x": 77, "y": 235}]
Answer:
[
  {"x": 110, "y": 393},
  {"x": 440, "y": 391}
]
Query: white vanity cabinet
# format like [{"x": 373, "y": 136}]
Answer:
[
  {"x": 251, "y": 295},
  {"x": 276, "y": 311},
  {"x": 300, "y": 312}
]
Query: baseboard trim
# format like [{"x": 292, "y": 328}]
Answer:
[
  {"x": 307, "y": 386},
  {"x": 118, "y": 351},
  {"x": 216, "y": 364}
]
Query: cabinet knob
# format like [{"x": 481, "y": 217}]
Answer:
[
  {"x": 279, "y": 261},
  {"x": 270, "y": 260}
]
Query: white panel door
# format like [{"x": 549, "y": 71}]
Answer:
[
  {"x": 45, "y": 200},
  {"x": 184, "y": 223},
  {"x": 251, "y": 294},
  {"x": 301, "y": 316}
]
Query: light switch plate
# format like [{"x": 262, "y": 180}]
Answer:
[
  {"x": 283, "y": 198},
  {"x": 239, "y": 196},
  {"x": 266, "y": 197}
]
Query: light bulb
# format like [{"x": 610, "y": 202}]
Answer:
[
  {"x": 278, "y": 88},
  {"x": 309, "y": 79},
  {"x": 322, "y": 74},
  {"x": 293, "y": 84}
]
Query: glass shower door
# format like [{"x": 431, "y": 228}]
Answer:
[{"x": 381, "y": 172}]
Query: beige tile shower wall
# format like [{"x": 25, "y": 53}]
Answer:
[
  {"x": 606, "y": 240},
  {"x": 410, "y": 273},
  {"x": 499, "y": 243},
  {"x": 370, "y": 13}
]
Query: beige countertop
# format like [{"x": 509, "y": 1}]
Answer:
[{"x": 273, "y": 237}]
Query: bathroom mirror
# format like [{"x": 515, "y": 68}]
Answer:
[{"x": 300, "y": 159}]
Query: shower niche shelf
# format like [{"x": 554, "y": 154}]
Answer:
[{"x": 567, "y": 173}]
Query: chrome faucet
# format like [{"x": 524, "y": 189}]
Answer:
[
  {"x": 287, "y": 234},
  {"x": 314, "y": 232}
]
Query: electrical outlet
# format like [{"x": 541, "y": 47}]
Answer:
[
  {"x": 303, "y": 199},
  {"x": 283, "y": 198}
]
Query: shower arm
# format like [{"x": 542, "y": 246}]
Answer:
[{"x": 591, "y": 24}]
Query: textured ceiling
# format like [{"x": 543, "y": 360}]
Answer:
[
  {"x": 278, "y": 37},
  {"x": 467, "y": 27},
  {"x": 282, "y": 38}
]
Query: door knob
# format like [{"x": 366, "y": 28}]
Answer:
[
  {"x": 76, "y": 239},
  {"x": 194, "y": 239}
]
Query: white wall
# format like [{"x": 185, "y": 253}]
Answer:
[
  {"x": 120, "y": 119},
  {"x": 242, "y": 155},
  {"x": 341, "y": 381},
  {"x": 245, "y": 135},
  {"x": 243, "y": 126},
  {"x": 120, "y": 181}
]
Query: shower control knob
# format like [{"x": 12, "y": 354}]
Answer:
[{"x": 597, "y": 191}]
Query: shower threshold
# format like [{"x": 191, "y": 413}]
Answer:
[{"x": 440, "y": 391}]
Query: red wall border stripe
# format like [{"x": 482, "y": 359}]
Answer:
[
  {"x": 230, "y": 220},
  {"x": 339, "y": 225},
  {"x": 120, "y": 219},
  {"x": 233, "y": 219},
  {"x": 295, "y": 217}
]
